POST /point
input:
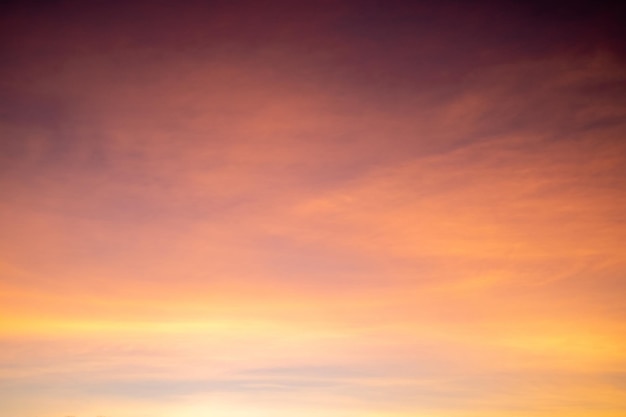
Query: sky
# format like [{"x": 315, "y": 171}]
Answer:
[{"x": 318, "y": 208}]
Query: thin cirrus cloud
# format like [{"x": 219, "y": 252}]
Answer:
[{"x": 379, "y": 210}]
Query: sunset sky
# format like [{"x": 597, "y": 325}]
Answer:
[{"x": 312, "y": 209}]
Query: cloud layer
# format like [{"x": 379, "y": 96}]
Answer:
[{"x": 336, "y": 209}]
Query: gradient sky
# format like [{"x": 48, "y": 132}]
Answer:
[{"x": 328, "y": 208}]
